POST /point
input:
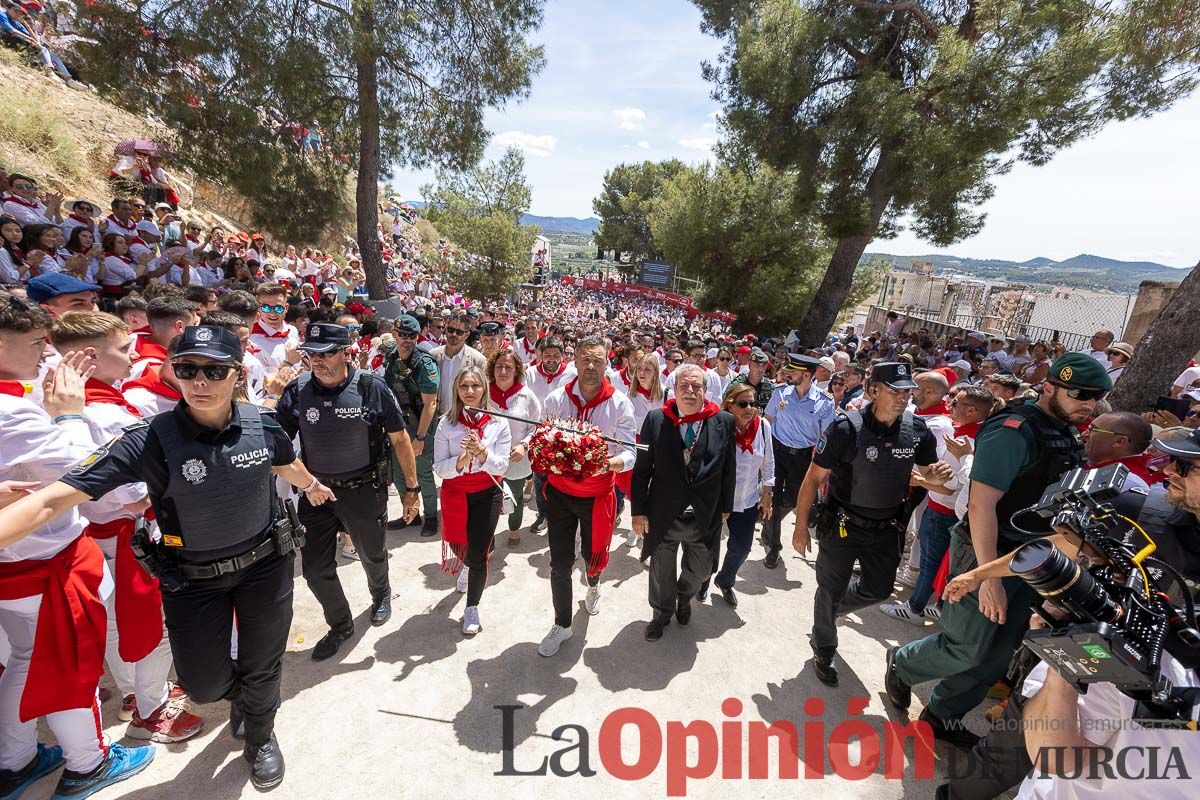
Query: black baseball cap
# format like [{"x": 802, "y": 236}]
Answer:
[
  {"x": 1186, "y": 448},
  {"x": 325, "y": 336},
  {"x": 210, "y": 341},
  {"x": 895, "y": 374}
]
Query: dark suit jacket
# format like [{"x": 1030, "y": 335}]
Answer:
[{"x": 662, "y": 487}]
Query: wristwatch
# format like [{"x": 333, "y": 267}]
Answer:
[
  {"x": 412, "y": 489},
  {"x": 420, "y": 437}
]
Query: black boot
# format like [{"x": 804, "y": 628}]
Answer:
[
  {"x": 654, "y": 629},
  {"x": 266, "y": 763},
  {"x": 330, "y": 642},
  {"x": 950, "y": 731},
  {"x": 899, "y": 692},
  {"x": 826, "y": 671},
  {"x": 430, "y": 526},
  {"x": 381, "y": 610}
]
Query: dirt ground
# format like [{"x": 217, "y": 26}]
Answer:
[{"x": 415, "y": 709}]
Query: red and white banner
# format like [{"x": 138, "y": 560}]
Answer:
[{"x": 634, "y": 290}]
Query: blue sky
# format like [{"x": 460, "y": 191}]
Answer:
[{"x": 622, "y": 83}]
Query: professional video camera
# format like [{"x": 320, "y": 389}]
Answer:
[{"x": 1119, "y": 616}]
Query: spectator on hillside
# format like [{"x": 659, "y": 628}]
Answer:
[
  {"x": 1098, "y": 347},
  {"x": 23, "y": 204},
  {"x": 81, "y": 214},
  {"x": 1187, "y": 380},
  {"x": 1035, "y": 371},
  {"x": 82, "y": 242},
  {"x": 1119, "y": 354},
  {"x": 13, "y": 269}
]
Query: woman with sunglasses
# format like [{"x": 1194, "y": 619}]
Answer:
[
  {"x": 723, "y": 370},
  {"x": 471, "y": 453},
  {"x": 207, "y": 456},
  {"x": 755, "y": 482}
]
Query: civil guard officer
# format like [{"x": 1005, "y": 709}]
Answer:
[
  {"x": 412, "y": 375},
  {"x": 346, "y": 419},
  {"x": 226, "y": 546},
  {"x": 756, "y": 376},
  {"x": 798, "y": 413},
  {"x": 1018, "y": 453},
  {"x": 869, "y": 458}
]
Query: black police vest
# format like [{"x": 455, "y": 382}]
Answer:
[
  {"x": 210, "y": 485},
  {"x": 335, "y": 432},
  {"x": 1059, "y": 449},
  {"x": 882, "y": 465}
]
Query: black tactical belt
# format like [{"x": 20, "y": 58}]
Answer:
[
  {"x": 217, "y": 568},
  {"x": 350, "y": 483},
  {"x": 794, "y": 451}
]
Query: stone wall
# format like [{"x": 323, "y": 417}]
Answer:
[{"x": 1152, "y": 297}]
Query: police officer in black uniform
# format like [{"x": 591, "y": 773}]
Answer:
[
  {"x": 869, "y": 457},
  {"x": 346, "y": 419},
  {"x": 226, "y": 545},
  {"x": 413, "y": 376}
]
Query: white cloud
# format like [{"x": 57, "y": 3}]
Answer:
[
  {"x": 533, "y": 144},
  {"x": 698, "y": 143},
  {"x": 643, "y": 144},
  {"x": 630, "y": 119}
]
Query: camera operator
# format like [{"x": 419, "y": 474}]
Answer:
[
  {"x": 1021, "y": 451},
  {"x": 1091, "y": 718}
]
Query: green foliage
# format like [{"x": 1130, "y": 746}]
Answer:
[
  {"x": 867, "y": 280},
  {"x": 888, "y": 109},
  {"x": 737, "y": 232},
  {"x": 386, "y": 82},
  {"x": 624, "y": 205},
  {"x": 479, "y": 209}
]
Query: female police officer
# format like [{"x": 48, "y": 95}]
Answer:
[{"x": 209, "y": 466}]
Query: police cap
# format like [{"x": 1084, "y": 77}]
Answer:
[
  {"x": 895, "y": 374},
  {"x": 210, "y": 341},
  {"x": 800, "y": 362},
  {"x": 1079, "y": 371},
  {"x": 325, "y": 336},
  {"x": 1187, "y": 448},
  {"x": 759, "y": 357},
  {"x": 489, "y": 328},
  {"x": 406, "y": 323}
]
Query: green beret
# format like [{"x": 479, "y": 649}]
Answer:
[{"x": 1079, "y": 371}]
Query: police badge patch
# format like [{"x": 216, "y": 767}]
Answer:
[
  {"x": 203, "y": 334},
  {"x": 94, "y": 457},
  {"x": 872, "y": 453},
  {"x": 824, "y": 440},
  {"x": 313, "y": 415},
  {"x": 194, "y": 471}
]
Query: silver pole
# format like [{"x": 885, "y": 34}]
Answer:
[{"x": 515, "y": 418}]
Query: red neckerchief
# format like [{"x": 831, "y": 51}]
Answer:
[
  {"x": 251, "y": 349},
  {"x": 132, "y": 226},
  {"x": 34, "y": 205},
  {"x": 477, "y": 426},
  {"x": 562, "y": 366},
  {"x": 643, "y": 392},
  {"x": 12, "y": 388},
  {"x": 261, "y": 331},
  {"x": 624, "y": 373},
  {"x": 126, "y": 259},
  {"x": 152, "y": 382},
  {"x": 96, "y": 392},
  {"x": 148, "y": 348},
  {"x": 192, "y": 239},
  {"x": 500, "y": 396},
  {"x": 1138, "y": 464},
  {"x": 87, "y": 221},
  {"x": 670, "y": 410},
  {"x": 666, "y": 372},
  {"x": 940, "y": 410},
  {"x": 583, "y": 411},
  {"x": 745, "y": 439},
  {"x": 969, "y": 430}
]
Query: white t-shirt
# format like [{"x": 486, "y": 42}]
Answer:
[{"x": 1187, "y": 378}]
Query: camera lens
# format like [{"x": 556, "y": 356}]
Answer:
[{"x": 1063, "y": 582}]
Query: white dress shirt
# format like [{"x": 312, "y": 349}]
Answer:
[
  {"x": 614, "y": 417},
  {"x": 447, "y": 447},
  {"x": 526, "y": 351},
  {"x": 522, "y": 404},
  {"x": 542, "y": 386},
  {"x": 272, "y": 350},
  {"x": 33, "y": 448},
  {"x": 642, "y": 406},
  {"x": 106, "y": 421},
  {"x": 448, "y": 368},
  {"x": 754, "y": 469}
]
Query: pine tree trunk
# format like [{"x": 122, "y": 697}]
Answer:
[
  {"x": 367, "y": 189},
  {"x": 1163, "y": 352},
  {"x": 835, "y": 286}
]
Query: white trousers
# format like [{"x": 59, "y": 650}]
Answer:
[
  {"x": 146, "y": 680},
  {"x": 78, "y": 730}
]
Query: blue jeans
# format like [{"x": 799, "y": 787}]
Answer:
[
  {"x": 741, "y": 539},
  {"x": 935, "y": 539}
]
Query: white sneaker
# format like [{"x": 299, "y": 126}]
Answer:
[
  {"x": 554, "y": 640},
  {"x": 348, "y": 550},
  {"x": 591, "y": 603},
  {"x": 461, "y": 584},
  {"x": 471, "y": 624},
  {"x": 902, "y": 612},
  {"x": 631, "y": 539},
  {"x": 934, "y": 613}
]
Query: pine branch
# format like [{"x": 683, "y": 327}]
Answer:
[{"x": 905, "y": 5}]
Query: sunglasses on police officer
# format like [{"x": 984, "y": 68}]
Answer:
[
  {"x": 186, "y": 371},
  {"x": 1080, "y": 394},
  {"x": 1181, "y": 466}
]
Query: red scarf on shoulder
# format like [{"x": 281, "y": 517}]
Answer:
[
  {"x": 940, "y": 410},
  {"x": 152, "y": 382},
  {"x": 96, "y": 392},
  {"x": 542, "y": 371},
  {"x": 745, "y": 439},
  {"x": 501, "y": 396},
  {"x": 15, "y": 388},
  {"x": 670, "y": 410}
]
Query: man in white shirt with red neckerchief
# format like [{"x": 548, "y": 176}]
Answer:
[
  {"x": 276, "y": 341},
  {"x": 53, "y": 577},
  {"x": 22, "y": 203},
  {"x": 166, "y": 317},
  {"x": 526, "y": 347},
  {"x": 588, "y": 506},
  {"x": 138, "y": 652},
  {"x": 550, "y": 372},
  {"x": 121, "y": 220}
]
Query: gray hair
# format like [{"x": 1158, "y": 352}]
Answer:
[{"x": 689, "y": 368}]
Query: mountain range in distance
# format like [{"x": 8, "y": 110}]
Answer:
[
  {"x": 571, "y": 225},
  {"x": 1084, "y": 271}
]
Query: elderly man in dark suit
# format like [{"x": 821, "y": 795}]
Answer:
[{"x": 682, "y": 490}]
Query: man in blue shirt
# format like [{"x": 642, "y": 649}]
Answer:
[{"x": 799, "y": 412}]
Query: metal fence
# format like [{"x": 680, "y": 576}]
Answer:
[{"x": 1072, "y": 341}]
